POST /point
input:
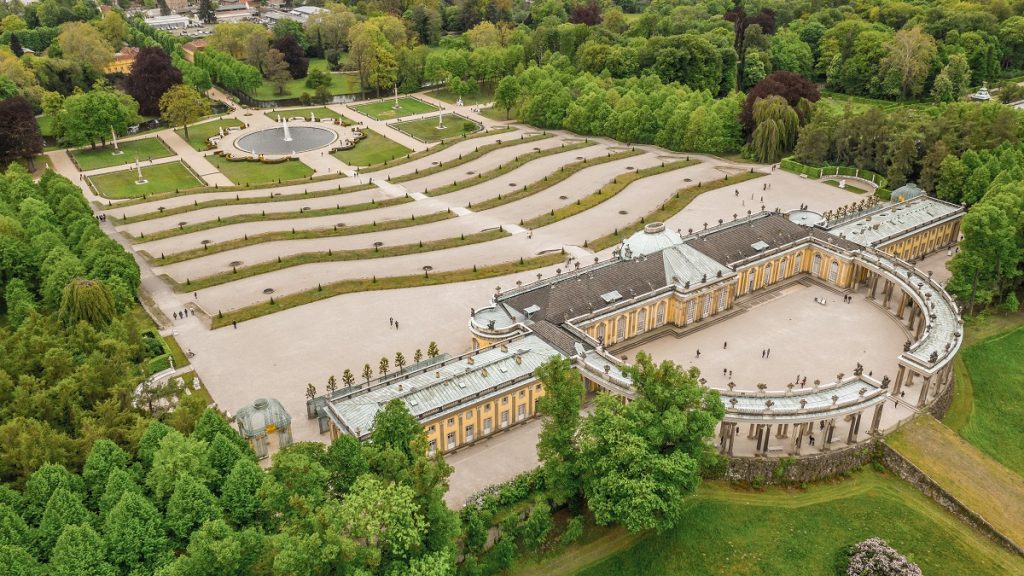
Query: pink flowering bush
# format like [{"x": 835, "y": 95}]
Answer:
[{"x": 874, "y": 557}]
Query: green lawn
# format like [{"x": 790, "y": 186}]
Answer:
[
  {"x": 198, "y": 134},
  {"x": 729, "y": 531},
  {"x": 372, "y": 149},
  {"x": 426, "y": 129},
  {"x": 341, "y": 83},
  {"x": 161, "y": 178},
  {"x": 482, "y": 95},
  {"x": 996, "y": 368},
  {"x": 257, "y": 173},
  {"x": 318, "y": 111},
  {"x": 146, "y": 148},
  {"x": 384, "y": 110},
  {"x": 45, "y": 124},
  {"x": 495, "y": 113},
  {"x": 850, "y": 187}
]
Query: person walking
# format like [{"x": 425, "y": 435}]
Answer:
[
  {"x": 235, "y": 324},
  {"x": 762, "y": 354},
  {"x": 698, "y": 352},
  {"x": 725, "y": 345},
  {"x": 391, "y": 321},
  {"x": 769, "y": 354},
  {"x": 396, "y": 324}
]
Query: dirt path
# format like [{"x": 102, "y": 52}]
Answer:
[{"x": 991, "y": 490}]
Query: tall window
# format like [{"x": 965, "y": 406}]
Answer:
[
  {"x": 659, "y": 317},
  {"x": 833, "y": 271},
  {"x": 689, "y": 311},
  {"x": 620, "y": 330},
  {"x": 641, "y": 320},
  {"x": 707, "y": 306},
  {"x": 767, "y": 274},
  {"x": 816, "y": 265},
  {"x": 784, "y": 272},
  {"x": 723, "y": 299},
  {"x": 750, "y": 280},
  {"x": 600, "y": 333},
  {"x": 799, "y": 262}
]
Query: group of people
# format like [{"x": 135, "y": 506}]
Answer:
[
  {"x": 184, "y": 314},
  {"x": 394, "y": 323}
]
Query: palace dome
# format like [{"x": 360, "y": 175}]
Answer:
[{"x": 655, "y": 237}]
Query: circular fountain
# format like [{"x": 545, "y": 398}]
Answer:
[{"x": 286, "y": 140}]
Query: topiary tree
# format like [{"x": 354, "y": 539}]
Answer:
[
  {"x": 79, "y": 552},
  {"x": 87, "y": 301},
  {"x": 239, "y": 492},
  {"x": 190, "y": 506},
  {"x": 65, "y": 508},
  {"x": 135, "y": 536}
]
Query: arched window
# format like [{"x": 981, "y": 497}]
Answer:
[
  {"x": 600, "y": 333},
  {"x": 750, "y": 280},
  {"x": 816, "y": 265},
  {"x": 689, "y": 311},
  {"x": 799, "y": 263},
  {"x": 833, "y": 271},
  {"x": 784, "y": 268},
  {"x": 723, "y": 299},
  {"x": 620, "y": 330},
  {"x": 641, "y": 321},
  {"x": 707, "y": 306},
  {"x": 767, "y": 280},
  {"x": 659, "y": 317}
]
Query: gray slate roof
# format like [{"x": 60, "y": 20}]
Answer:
[{"x": 734, "y": 241}]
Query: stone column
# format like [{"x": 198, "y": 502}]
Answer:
[
  {"x": 920, "y": 329},
  {"x": 830, "y": 427},
  {"x": 732, "y": 436},
  {"x": 851, "y": 436},
  {"x": 767, "y": 438},
  {"x": 724, "y": 429},
  {"x": 898, "y": 382},
  {"x": 913, "y": 318},
  {"x": 902, "y": 306},
  {"x": 797, "y": 439},
  {"x": 876, "y": 418},
  {"x": 874, "y": 284},
  {"x": 751, "y": 431},
  {"x": 923, "y": 398}
]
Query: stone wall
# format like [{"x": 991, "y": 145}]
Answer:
[
  {"x": 796, "y": 470},
  {"x": 903, "y": 468},
  {"x": 941, "y": 405}
]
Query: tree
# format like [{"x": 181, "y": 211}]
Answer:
[
  {"x": 239, "y": 493},
  {"x": 367, "y": 373},
  {"x": 347, "y": 378},
  {"x": 152, "y": 75},
  {"x": 222, "y": 456},
  {"x": 118, "y": 483},
  {"x": 294, "y": 55},
  {"x": 953, "y": 80},
  {"x": 290, "y": 29},
  {"x": 276, "y": 70},
  {"x": 396, "y": 427},
  {"x": 15, "y": 46},
  {"x": 19, "y": 132},
  {"x": 344, "y": 463},
  {"x": 330, "y": 29},
  {"x": 396, "y": 526},
  {"x": 399, "y": 361},
  {"x": 382, "y": 367},
  {"x": 310, "y": 391},
  {"x": 190, "y": 506},
  {"x": 506, "y": 95},
  {"x": 332, "y": 384},
  {"x": 13, "y": 529},
  {"x": 537, "y": 526},
  {"x": 639, "y": 461},
  {"x": 777, "y": 126},
  {"x": 206, "y": 12},
  {"x": 560, "y": 415},
  {"x": 417, "y": 357},
  {"x": 87, "y": 301},
  {"x": 790, "y": 52},
  {"x": 909, "y": 61},
  {"x": 104, "y": 457},
  {"x": 432, "y": 349},
  {"x": 134, "y": 535},
  {"x": 176, "y": 455},
  {"x": 211, "y": 424},
  {"x": 80, "y": 552},
  {"x": 115, "y": 30},
  {"x": 89, "y": 117},
  {"x": 64, "y": 508},
  {"x": 792, "y": 87},
  {"x": 18, "y": 562},
  {"x": 82, "y": 43},
  {"x": 218, "y": 550},
  {"x": 183, "y": 105}
]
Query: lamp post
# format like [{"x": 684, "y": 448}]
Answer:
[{"x": 426, "y": 271}]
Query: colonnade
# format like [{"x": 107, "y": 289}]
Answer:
[{"x": 798, "y": 434}]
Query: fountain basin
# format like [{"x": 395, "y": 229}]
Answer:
[{"x": 271, "y": 141}]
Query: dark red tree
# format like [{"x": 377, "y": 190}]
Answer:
[
  {"x": 19, "y": 132},
  {"x": 152, "y": 75},
  {"x": 16, "y": 45},
  {"x": 740, "y": 22},
  {"x": 789, "y": 85},
  {"x": 589, "y": 14},
  {"x": 294, "y": 55}
]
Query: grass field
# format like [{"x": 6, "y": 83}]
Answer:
[
  {"x": 426, "y": 129},
  {"x": 495, "y": 113},
  {"x": 318, "y": 111},
  {"x": 341, "y": 83},
  {"x": 146, "y": 148},
  {"x": 198, "y": 134},
  {"x": 849, "y": 187},
  {"x": 729, "y": 531},
  {"x": 996, "y": 368},
  {"x": 162, "y": 178},
  {"x": 982, "y": 484},
  {"x": 482, "y": 95},
  {"x": 372, "y": 149},
  {"x": 384, "y": 110},
  {"x": 256, "y": 173}
]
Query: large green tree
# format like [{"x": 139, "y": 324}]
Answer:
[{"x": 560, "y": 415}]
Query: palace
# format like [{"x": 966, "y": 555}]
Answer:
[{"x": 661, "y": 283}]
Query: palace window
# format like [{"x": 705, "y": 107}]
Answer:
[
  {"x": 451, "y": 421},
  {"x": 767, "y": 274},
  {"x": 600, "y": 333},
  {"x": 750, "y": 280},
  {"x": 469, "y": 433},
  {"x": 659, "y": 317},
  {"x": 522, "y": 393},
  {"x": 707, "y": 306},
  {"x": 833, "y": 271},
  {"x": 784, "y": 273},
  {"x": 723, "y": 298},
  {"x": 504, "y": 401},
  {"x": 487, "y": 426},
  {"x": 816, "y": 265},
  {"x": 469, "y": 414},
  {"x": 689, "y": 311},
  {"x": 504, "y": 418},
  {"x": 799, "y": 261},
  {"x": 620, "y": 330},
  {"x": 432, "y": 448},
  {"x": 522, "y": 413},
  {"x": 641, "y": 320},
  {"x": 451, "y": 440}
]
